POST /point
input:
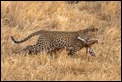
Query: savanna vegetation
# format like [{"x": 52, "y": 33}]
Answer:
[{"x": 21, "y": 18}]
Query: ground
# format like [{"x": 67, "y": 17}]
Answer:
[{"x": 20, "y": 19}]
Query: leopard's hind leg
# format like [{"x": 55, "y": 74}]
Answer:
[{"x": 32, "y": 49}]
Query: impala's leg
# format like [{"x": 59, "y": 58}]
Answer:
[
  {"x": 87, "y": 42},
  {"x": 81, "y": 39}
]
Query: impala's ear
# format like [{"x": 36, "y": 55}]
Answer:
[{"x": 81, "y": 39}]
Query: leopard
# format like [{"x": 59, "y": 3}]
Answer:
[{"x": 53, "y": 41}]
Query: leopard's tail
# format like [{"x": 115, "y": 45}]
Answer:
[{"x": 27, "y": 38}]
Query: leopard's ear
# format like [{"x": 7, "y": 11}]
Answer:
[{"x": 81, "y": 39}]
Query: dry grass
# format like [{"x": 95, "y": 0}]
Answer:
[{"x": 19, "y": 19}]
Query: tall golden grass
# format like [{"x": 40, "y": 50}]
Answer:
[{"x": 20, "y": 19}]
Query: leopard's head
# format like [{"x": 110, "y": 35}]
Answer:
[{"x": 88, "y": 33}]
